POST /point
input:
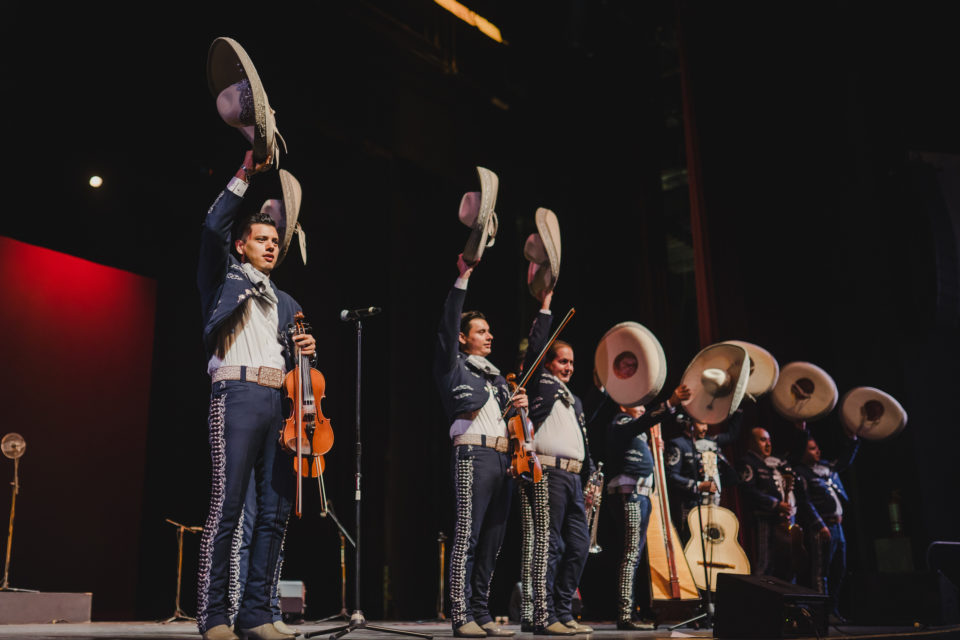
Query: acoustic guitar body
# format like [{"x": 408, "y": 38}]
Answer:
[{"x": 719, "y": 552}]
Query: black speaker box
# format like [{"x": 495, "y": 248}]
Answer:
[{"x": 767, "y": 607}]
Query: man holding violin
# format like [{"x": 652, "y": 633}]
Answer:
[
  {"x": 475, "y": 398},
  {"x": 245, "y": 316},
  {"x": 561, "y": 539}
]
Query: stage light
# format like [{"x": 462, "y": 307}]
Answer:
[
  {"x": 96, "y": 181},
  {"x": 471, "y": 18}
]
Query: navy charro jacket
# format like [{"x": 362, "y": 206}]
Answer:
[
  {"x": 544, "y": 389},
  {"x": 758, "y": 486},
  {"x": 462, "y": 384},
  {"x": 223, "y": 285},
  {"x": 684, "y": 463},
  {"x": 817, "y": 485},
  {"x": 627, "y": 449}
]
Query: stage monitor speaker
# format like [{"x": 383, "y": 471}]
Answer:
[
  {"x": 767, "y": 607},
  {"x": 293, "y": 595}
]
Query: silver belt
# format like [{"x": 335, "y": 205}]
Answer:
[
  {"x": 573, "y": 466},
  {"x": 501, "y": 444},
  {"x": 264, "y": 376},
  {"x": 631, "y": 488}
]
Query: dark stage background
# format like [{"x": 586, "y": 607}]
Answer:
[{"x": 821, "y": 148}]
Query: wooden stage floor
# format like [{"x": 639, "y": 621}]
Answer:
[{"x": 188, "y": 631}]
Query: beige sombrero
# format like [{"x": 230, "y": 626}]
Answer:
[
  {"x": 542, "y": 249},
  {"x": 286, "y": 214},
  {"x": 717, "y": 378},
  {"x": 477, "y": 212},
  {"x": 872, "y": 413},
  {"x": 241, "y": 99},
  {"x": 630, "y": 364},
  {"x": 764, "y": 369},
  {"x": 804, "y": 391}
]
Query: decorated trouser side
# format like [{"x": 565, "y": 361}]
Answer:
[
  {"x": 634, "y": 511},
  {"x": 828, "y": 562},
  {"x": 770, "y": 549},
  {"x": 240, "y": 556},
  {"x": 560, "y": 547},
  {"x": 526, "y": 552},
  {"x": 483, "y": 489},
  {"x": 244, "y": 422}
]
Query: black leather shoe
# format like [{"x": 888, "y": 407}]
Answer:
[
  {"x": 635, "y": 625},
  {"x": 526, "y": 626}
]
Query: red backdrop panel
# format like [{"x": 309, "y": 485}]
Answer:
[{"x": 75, "y": 383}]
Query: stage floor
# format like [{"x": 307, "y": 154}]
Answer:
[{"x": 188, "y": 631}]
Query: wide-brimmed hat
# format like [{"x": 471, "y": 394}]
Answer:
[
  {"x": 542, "y": 249},
  {"x": 476, "y": 212},
  {"x": 804, "y": 392},
  {"x": 717, "y": 378},
  {"x": 764, "y": 369},
  {"x": 871, "y": 413},
  {"x": 630, "y": 364},
  {"x": 285, "y": 214},
  {"x": 241, "y": 99}
]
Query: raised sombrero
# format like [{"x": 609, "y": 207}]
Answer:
[
  {"x": 241, "y": 99},
  {"x": 630, "y": 364}
]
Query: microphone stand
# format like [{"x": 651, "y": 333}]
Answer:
[
  {"x": 357, "y": 619},
  {"x": 344, "y": 537},
  {"x": 708, "y": 613}
]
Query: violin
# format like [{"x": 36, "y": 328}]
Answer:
[
  {"x": 306, "y": 433},
  {"x": 524, "y": 462}
]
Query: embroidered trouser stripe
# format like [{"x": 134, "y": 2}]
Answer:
[
  {"x": 526, "y": 551},
  {"x": 243, "y": 437},
  {"x": 238, "y": 574},
  {"x": 218, "y": 480},
  {"x": 636, "y": 516},
  {"x": 541, "y": 550},
  {"x": 483, "y": 491}
]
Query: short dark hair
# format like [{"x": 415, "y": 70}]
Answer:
[
  {"x": 257, "y": 218},
  {"x": 466, "y": 317},
  {"x": 552, "y": 351}
]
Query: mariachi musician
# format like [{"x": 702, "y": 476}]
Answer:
[
  {"x": 560, "y": 533},
  {"x": 685, "y": 470},
  {"x": 245, "y": 316},
  {"x": 685, "y": 454},
  {"x": 475, "y": 397},
  {"x": 804, "y": 393},
  {"x": 630, "y": 468},
  {"x": 766, "y": 492}
]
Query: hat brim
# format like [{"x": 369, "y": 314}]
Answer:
[
  {"x": 702, "y": 405},
  {"x": 764, "y": 368},
  {"x": 822, "y": 400},
  {"x": 286, "y": 219},
  {"x": 892, "y": 422},
  {"x": 549, "y": 229},
  {"x": 484, "y": 230},
  {"x": 643, "y": 384},
  {"x": 227, "y": 64}
]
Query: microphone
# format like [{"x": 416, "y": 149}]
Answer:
[{"x": 355, "y": 314}]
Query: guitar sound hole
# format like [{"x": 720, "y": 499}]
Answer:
[{"x": 714, "y": 534}]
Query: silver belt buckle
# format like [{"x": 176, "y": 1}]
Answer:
[{"x": 269, "y": 377}]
